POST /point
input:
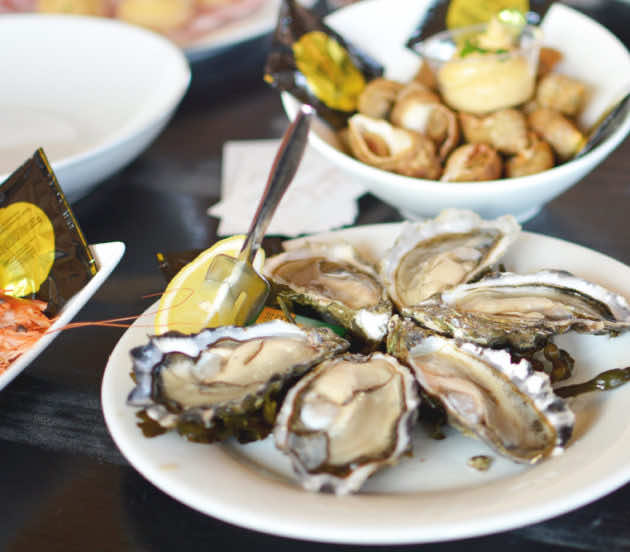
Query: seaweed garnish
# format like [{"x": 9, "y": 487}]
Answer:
[{"x": 605, "y": 381}]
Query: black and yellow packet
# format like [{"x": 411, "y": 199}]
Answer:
[
  {"x": 316, "y": 65},
  {"x": 43, "y": 254}
]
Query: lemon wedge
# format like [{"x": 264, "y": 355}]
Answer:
[
  {"x": 462, "y": 13},
  {"x": 183, "y": 307}
]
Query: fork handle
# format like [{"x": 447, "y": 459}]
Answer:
[{"x": 283, "y": 170}]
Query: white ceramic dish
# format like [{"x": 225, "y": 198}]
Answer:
[
  {"x": 592, "y": 54},
  {"x": 107, "y": 256},
  {"x": 431, "y": 496},
  {"x": 92, "y": 92}
]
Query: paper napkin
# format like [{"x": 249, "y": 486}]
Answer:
[{"x": 320, "y": 198}]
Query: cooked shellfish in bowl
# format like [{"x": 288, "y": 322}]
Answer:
[{"x": 491, "y": 118}]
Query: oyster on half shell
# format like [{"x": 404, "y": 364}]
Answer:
[
  {"x": 225, "y": 381},
  {"x": 434, "y": 255},
  {"x": 333, "y": 280},
  {"x": 347, "y": 418},
  {"x": 507, "y": 404},
  {"x": 523, "y": 311}
]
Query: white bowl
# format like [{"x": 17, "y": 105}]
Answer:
[
  {"x": 92, "y": 92},
  {"x": 592, "y": 54}
]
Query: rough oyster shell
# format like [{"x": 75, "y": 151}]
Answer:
[
  {"x": 523, "y": 311},
  {"x": 332, "y": 279},
  {"x": 349, "y": 417},
  {"x": 507, "y": 404},
  {"x": 225, "y": 381},
  {"x": 437, "y": 254}
]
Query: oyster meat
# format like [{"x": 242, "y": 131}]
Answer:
[
  {"x": 334, "y": 281},
  {"x": 225, "y": 381},
  {"x": 347, "y": 418},
  {"x": 523, "y": 311},
  {"x": 507, "y": 404},
  {"x": 434, "y": 255}
]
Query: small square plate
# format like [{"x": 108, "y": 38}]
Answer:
[{"x": 107, "y": 257}]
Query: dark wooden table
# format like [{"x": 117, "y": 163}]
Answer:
[{"x": 65, "y": 486}]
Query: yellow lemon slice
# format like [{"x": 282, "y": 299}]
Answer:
[
  {"x": 462, "y": 13},
  {"x": 181, "y": 305}
]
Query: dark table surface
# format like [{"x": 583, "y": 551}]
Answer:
[{"x": 64, "y": 484}]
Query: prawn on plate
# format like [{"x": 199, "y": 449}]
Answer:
[{"x": 22, "y": 323}]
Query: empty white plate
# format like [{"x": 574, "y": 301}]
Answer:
[{"x": 92, "y": 92}]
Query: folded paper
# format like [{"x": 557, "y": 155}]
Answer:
[{"x": 320, "y": 198}]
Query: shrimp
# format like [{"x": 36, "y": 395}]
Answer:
[{"x": 22, "y": 323}]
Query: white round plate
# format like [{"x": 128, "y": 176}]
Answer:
[
  {"x": 430, "y": 496},
  {"x": 92, "y": 92},
  {"x": 107, "y": 256}
]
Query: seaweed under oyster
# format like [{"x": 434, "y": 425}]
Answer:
[
  {"x": 505, "y": 403},
  {"x": 225, "y": 381},
  {"x": 349, "y": 417}
]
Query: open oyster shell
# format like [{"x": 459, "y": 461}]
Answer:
[
  {"x": 507, "y": 404},
  {"x": 523, "y": 311},
  {"x": 349, "y": 417},
  {"x": 334, "y": 281},
  {"x": 225, "y": 381},
  {"x": 434, "y": 255}
]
